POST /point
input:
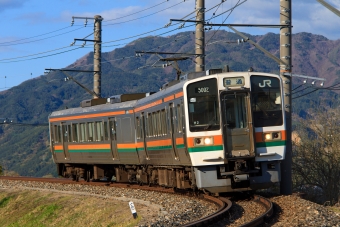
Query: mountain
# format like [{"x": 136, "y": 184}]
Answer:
[{"x": 24, "y": 143}]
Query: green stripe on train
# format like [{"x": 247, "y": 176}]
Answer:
[
  {"x": 122, "y": 149},
  {"x": 271, "y": 144},
  {"x": 205, "y": 148}
]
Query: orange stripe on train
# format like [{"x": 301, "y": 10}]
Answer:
[
  {"x": 89, "y": 146},
  {"x": 87, "y": 116},
  {"x": 159, "y": 143}
]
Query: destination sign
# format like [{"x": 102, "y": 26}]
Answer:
[{"x": 233, "y": 82}]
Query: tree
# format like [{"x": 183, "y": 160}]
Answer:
[{"x": 316, "y": 155}]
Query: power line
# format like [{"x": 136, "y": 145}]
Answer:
[
  {"x": 231, "y": 10},
  {"x": 143, "y": 16},
  {"x": 13, "y": 44},
  {"x": 139, "y": 11},
  {"x": 42, "y": 56},
  {"x": 34, "y": 54},
  {"x": 34, "y": 36}
]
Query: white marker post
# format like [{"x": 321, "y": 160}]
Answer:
[{"x": 133, "y": 209}]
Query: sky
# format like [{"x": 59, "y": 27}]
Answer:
[{"x": 36, "y": 34}]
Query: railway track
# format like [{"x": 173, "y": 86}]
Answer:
[
  {"x": 268, "y": 205},
  {"x": 223, "y": 204}
]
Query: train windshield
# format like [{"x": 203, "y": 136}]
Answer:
[
  {"x": 203, "y": 106},
  {"x": 266, "y": 101}
]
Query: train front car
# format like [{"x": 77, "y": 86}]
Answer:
[{"x": 235, "y": 130}]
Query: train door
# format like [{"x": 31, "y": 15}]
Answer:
[
  {"x": 172, "y": 129},
  {"x": 143, "y": 125},
  {"x": 113, "y": 138},
  {"x": 66, "y": 137},
  {"x": 237, "y": 124},
  {"x": 181, "y": 118}
]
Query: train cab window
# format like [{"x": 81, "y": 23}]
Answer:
[
  {"x": 203, "y": 106},
  {"x": 266, "y": 101}
]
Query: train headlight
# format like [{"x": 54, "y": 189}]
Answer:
[
  {"x": 198, "y": 141},
  {"x": 271, "y": 136},
  {"x": 203, "y": 141},
  {"x": 267, "y": 136},
  {"x": 208, "y": 141}
]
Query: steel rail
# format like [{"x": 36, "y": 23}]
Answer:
[
  {"x": 224, "y": 205},
  {"x": 266, "y": 203}
]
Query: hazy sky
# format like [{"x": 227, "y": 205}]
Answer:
[{"x": 35, "y": 32}]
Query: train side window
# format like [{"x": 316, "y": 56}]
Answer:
[
  {"x": 91, "y": 129},
  {"x": 138, "y": 128},
  {"x": 179, "y": 118},
  {"x": 163, "y": 122},
  {"x": 78, "y": 133},
  {"x": 159, "y": 123},
  {"x": 106, "y": 131},
  {"x": 82, "y": 132},
  {"x": 99, "y": 126},
  {"x": 175, "y": 118},
  {"x": 69, "y": 133},
  {"x": 154, "y": 124},
  {"x": 149, "y": 126},
  {"x": 74, "y": 132},
  {"x": 56, "y": 134}
]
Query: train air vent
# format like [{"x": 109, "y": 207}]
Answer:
[
  {"x": 213, "y": 71},
  {"x": 92, "y": 102}
]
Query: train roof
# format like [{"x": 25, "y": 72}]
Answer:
[{"x": 92, "y": 109}]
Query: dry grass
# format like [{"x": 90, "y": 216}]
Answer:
[{"x": 39, "y": 208}]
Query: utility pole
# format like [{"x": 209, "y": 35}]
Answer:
[
  {"x": 199, "y": 37},
  {"x": 286, "y": 75},
  {"x": 97, "y": 56}
]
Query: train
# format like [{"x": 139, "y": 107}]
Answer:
[{"x": 214, "y": 131}]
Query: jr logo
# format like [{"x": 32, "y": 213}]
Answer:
[{"x": 266, "y": 82}]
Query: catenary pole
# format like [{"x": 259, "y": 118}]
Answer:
[
  {"x": 97, "y": 55},
  {"x": 199, "y": 37},
  {"x": 285, "y": 72}
]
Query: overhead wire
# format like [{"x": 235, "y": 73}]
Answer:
[
  {"x": 230, "y": 11},
  {"x": 42, "y": 56},
  {"x": 139, "y": 11},
  {"x": 143, "y": 16},
  {"x": 237, "y": 4},
  {"x": 34, "y": 36},
  {"x": 36, "y": 40},
  {"x": 35, "y": 54}
]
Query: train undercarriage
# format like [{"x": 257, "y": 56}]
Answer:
[{"x": 173, "y": 177}]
